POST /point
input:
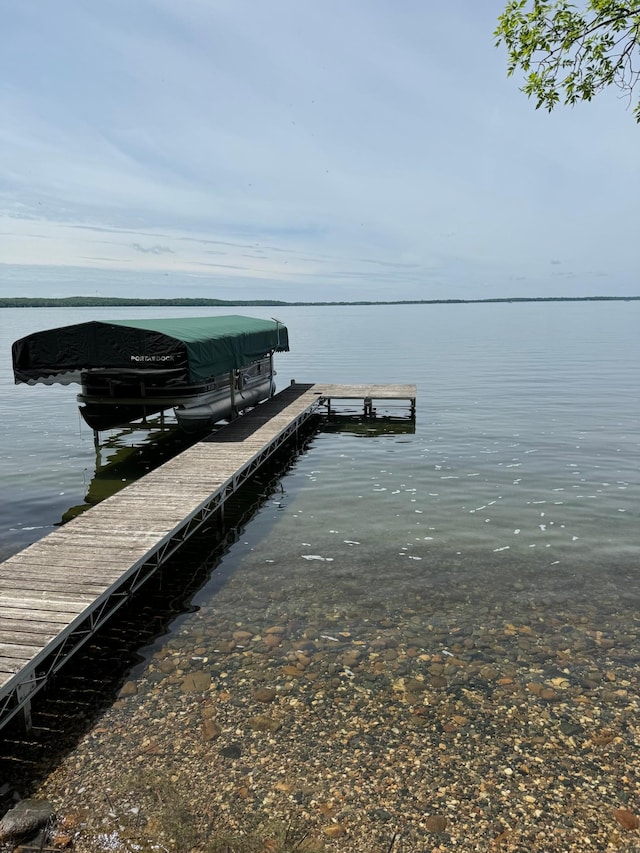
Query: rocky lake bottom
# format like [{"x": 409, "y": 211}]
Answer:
[{"x": 367, "y": 716}]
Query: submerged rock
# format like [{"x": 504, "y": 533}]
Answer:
[
  {"x": 263, "y": 723},
  {"x": 25, "y": 818},
  {"x": 265, "y": 694}
]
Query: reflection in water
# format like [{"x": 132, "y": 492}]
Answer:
[
  {"x": 369, "y": 427},
  {"x": 123, "y": 457},
  {"x": 127, "y": 455}
]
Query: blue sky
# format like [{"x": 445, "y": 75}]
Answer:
[{"x": 289, "y": 149}]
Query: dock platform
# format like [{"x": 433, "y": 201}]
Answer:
[
  {"x": 369, "y": 394},
  {"x": 56, "y": 593}
]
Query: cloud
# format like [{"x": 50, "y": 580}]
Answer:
[{"x": 153, "y": 250}]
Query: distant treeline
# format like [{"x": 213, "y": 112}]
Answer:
[{"x": 114, "y": 302}]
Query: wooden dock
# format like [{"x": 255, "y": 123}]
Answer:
[
  {"x": 56, "y": 593},
  {"x": 369, "y": 394}
]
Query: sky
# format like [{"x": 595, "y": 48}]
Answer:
[{"x": 339, "y": 150}]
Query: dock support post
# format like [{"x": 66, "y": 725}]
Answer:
[
  {"x": 232, "y": 392},
  {"x": 24, "y": 691},
  {"x": 220, "y": 521},
  {"x": 26, "y": 717}
]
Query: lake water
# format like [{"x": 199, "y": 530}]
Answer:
[
  {"x": 518, "y": 405},
  {"x": 455, "y": 611}
]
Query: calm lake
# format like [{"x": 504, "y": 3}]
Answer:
[
  {"x": 492, "y": 554},
  {"x": 527, "y": 421}
]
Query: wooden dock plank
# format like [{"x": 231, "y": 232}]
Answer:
[
  {"x": 55, "y": 542},
  {"x": 60, "y": 563},
  {"x": 48, "y": 609},
  {"x": 38, "y": 636},
  {"x": 17, "y": 651},
  {"x": 138, "y": 507},
  {"x": 75, "y": 569},
  {"x": 42, "y": 599},
  {"x": 86, "y": 537},
  {"x": 32, "y": 615},
  {"x": 58, "y": 584}
]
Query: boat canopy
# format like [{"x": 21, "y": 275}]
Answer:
[{"x": 193, "y": 349}]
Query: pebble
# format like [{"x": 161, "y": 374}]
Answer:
[
  {"x": 626, "y": 819},
  {"x": 242, "y": 636},
  {"x": 196, "y": 682},
  {"x": 334, "y": 831},
  {"x": 210, "y": 730},
  {"x": 436, "y": 823},
  {"x": 265, "y": 694},
  {"x": 263, "y": 723}
]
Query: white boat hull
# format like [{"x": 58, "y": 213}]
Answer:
[{"x": 205, "y": 413}]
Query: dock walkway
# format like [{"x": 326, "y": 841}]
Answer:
[{"x": 57, "y": 592}]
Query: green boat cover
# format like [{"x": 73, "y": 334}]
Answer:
[{"x": 192, "y": 348}]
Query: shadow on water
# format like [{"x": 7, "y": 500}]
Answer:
[{"x": 77, "y": 696}]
